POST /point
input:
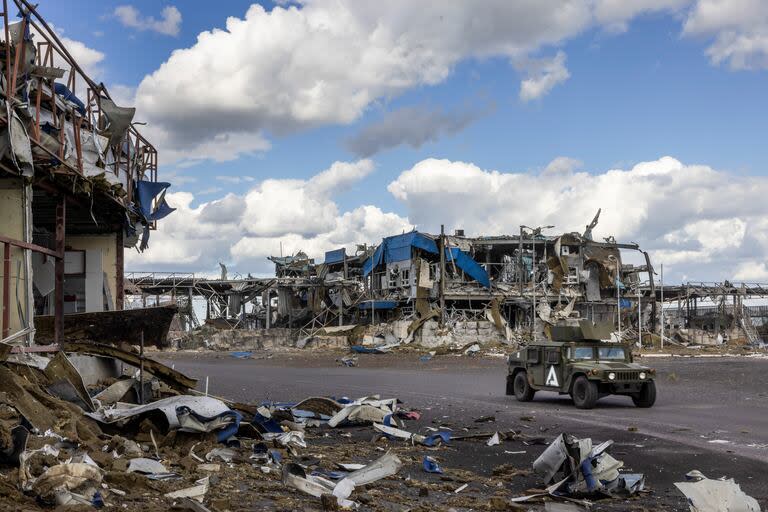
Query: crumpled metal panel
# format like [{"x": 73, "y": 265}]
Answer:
[{"x": 202, "y": 405}]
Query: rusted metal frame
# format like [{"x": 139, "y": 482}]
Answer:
[
  {"x": 38, "y": 101},
  {"x": 140, "y": 152},
  {"x": 129, "y": 162},
  {"x": 19, "y": 55},
  {"x": 62, "y": 121},
  {"x": 32, "y": 247},
  {"x": 120, "y": 268},
  {"x": 7, "y": 243},
  {"x": 76, "y": 121},
  {"x": 118, "y": 154},
  {"x": 58, "y": 324},
  {"x": 50, "y": 35},
  {"x": 6, "y": 290},
  {"x": 7, "y": 47},
  {"x": 71, "y": 78}
]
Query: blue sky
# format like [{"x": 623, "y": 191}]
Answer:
[{"x": 679, "y": 78}]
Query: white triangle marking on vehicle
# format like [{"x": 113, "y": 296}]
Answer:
[{"x": 552, "y": 377}]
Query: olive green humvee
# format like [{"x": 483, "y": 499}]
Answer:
[{"x": 586, "y": 369}]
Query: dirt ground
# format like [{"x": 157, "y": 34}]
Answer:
[
  {"x": 710, "y": 416},
  {"x": 721, "y": 432}
]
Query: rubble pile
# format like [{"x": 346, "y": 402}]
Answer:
[{"x": 68, "y": 441}]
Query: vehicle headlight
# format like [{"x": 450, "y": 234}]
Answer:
[
  {"x": 611, "y": 376},
  {"x": 642, "y": 375}
]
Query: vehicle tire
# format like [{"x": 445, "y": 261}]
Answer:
[
  {"x": 647, "y": 395},
  {"x": 523, "y": 390},
  {"x": 584, "y": 393},
  {"x": 510, "y": 385}
]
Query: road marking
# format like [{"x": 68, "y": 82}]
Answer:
[{"x": 552, "y": 378}]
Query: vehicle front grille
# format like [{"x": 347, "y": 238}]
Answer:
[{"x": 627, "y": 375}]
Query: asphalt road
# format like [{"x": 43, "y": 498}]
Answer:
[{"x": 711, "y": 414}]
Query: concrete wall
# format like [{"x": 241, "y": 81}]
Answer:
[
  {"x": 107, "y": 244},
  {"x": 12, "y": 226},
  {"x": 462, "y": 333},
  {"x": 257, "y": 339}
]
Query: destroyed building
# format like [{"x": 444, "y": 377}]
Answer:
[
  {"x": 78, "y": 186},
  {"x": 432, "y": 288}
]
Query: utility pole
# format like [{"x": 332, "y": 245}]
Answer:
[
  {"x": 442, "y": 274},
  {"x": 662, "y": 305},
  {"x": 520, "y": 261},
  {"x": 533, "y": 268},
  {"x": 618, "y": 305},
  {"x": 639, "y": 318}
]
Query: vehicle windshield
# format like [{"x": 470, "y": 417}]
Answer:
[
  {"x": 582, "y": 353},
  {"x": 610, "y": 353}
]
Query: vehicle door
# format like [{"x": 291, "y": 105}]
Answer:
[
  {"x": 553, "y": 367},
  {"x": 534, "y": 366}
]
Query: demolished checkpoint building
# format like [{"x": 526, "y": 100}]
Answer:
[
  {"x": 497, "y": 284},
  {"x": 423, "y": 288},
  {"x": 495, "y": 289}
]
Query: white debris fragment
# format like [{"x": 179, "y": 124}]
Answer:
[{"x": 705, "y": 495}]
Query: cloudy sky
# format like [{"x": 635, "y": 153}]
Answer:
[{"x": 316, "y": 124}]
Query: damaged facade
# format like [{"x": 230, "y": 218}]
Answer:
[
  {"x": 78, "y": 185},
  {"x": 439, "y": 289},
  {"x": 427, "y": 288}
]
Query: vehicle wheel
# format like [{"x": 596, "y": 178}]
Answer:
[
  {"x": 523, "y": 390},
  {"x": 647, "y": 395},
  {"x": 584, "y": 393},
  {"x": 510, "y": 385}
]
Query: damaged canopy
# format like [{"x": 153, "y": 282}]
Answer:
[{"x": 398, "y": 248}]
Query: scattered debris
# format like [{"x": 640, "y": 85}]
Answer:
[
  {"x": 348, "y": 361},
  {"x": 574, "y": 467},
  {"x": 705, "y": 495},
  {"x": 430, "y": 465},
  {"x": 196, "y": 492}
]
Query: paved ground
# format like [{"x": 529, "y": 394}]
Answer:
[{"x": 711, "y": 414}]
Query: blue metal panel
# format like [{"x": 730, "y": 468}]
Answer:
[
  {"x": 468, "y": 265},
  {"x": 336, "y": 256},
  {"x": 377, "y": 304},
  {"x": 399, "y": 248}
]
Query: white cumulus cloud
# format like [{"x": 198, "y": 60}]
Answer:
[
  {"x": 245, "y": 229},
  {"x": 168, "y": 24},
  {"x": 542, "y": 76},
  {"x": 739, "y": 29},
  {"x": 688, "y": 215},
  {"x": 324, "y": 62}
]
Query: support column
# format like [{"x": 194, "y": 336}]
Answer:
[
  {"x": 6, "y": 290},
  {"x": 269, "y": 308},
  {"x": 120, "y": 271},
  {"x": 442, "y": 274},
  {"x": 58, "y": 322}
]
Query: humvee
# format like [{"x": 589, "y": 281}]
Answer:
[{"x": 585, "y": 369}]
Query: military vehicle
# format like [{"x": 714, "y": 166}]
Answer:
[{"x": 583, "y": 367}]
